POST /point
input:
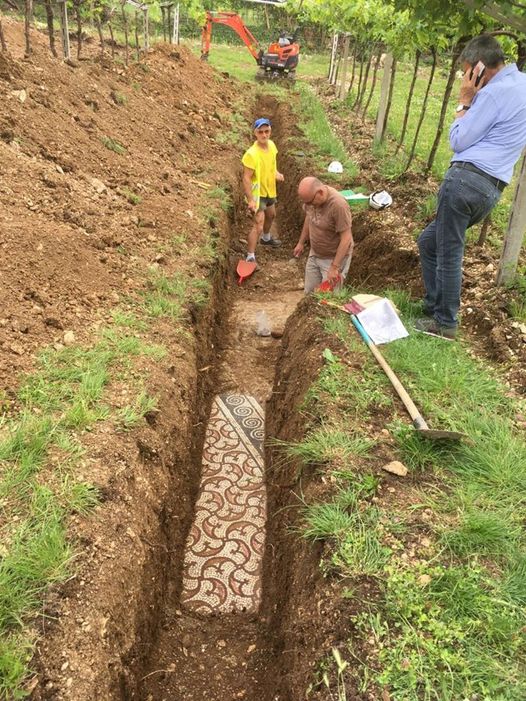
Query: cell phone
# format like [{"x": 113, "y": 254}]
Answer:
[{"x": 481, "y": 68}]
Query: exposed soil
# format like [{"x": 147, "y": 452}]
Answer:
[
  {"x": 232, "y": 656},
  {"x": 82, "y": 226}
]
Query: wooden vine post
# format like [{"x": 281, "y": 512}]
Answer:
[
  {"x": 3, "y": 44},
  {"x": 334, "y": 53},
  {"x": 146, "y": 28},
  {"x": 341, "y": 91},
  {"x": 175, "y": 33},
  {"x": 64, "y": 30},
  {"x": 27, "y": 26},
  {"x": 381, "y": 118},
  {"x": 515, "y": 233},
  {"x": 163, "y": 14}
]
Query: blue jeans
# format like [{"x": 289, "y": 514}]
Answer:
[{"x": 464, "y": 199}]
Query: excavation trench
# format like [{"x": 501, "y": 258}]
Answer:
[{"x": 211, "y": 644}]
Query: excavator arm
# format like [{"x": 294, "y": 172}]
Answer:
[{"x": 233, "y": 20}]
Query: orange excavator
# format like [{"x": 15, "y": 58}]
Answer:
[{"x": 279, "y": 61}]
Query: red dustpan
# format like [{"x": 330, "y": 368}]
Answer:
[{"x": 245, "y": 269}]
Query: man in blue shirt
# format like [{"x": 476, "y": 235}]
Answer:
[{"x": 487, "y": 137}]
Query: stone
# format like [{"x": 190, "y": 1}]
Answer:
[
  {"x": 395, "y": 468},
  {"x": 68, "y": 338},
  {"x": 16, "y": 349},
  {"x": 20, "y": 94},
  {"x": 98, "y": 185},
  {"x": 424, "y": 580}
]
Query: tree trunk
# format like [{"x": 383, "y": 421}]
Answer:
[
  {"x": 338, "y": 63},
  {"x": 409, "y": 100},
  {"x": 423, "y": 112},
  {"x": 365, "y": 79},
  {"x": 101, "y": 36},
  {"x": 521, "y": 55},
  {"x": 359, "y": 88},
  {"x": 163, "y": 14},
  {"x": 383, "y": 102},
  {"x": 27, "y": 25},
  {"x": 353, "y": 74},
  {"x": 390, "y": 97},
  {"x": 3, "y": 44},
  {"x": 110, "y": 28},
  {"x": 515, "y": 233},
  {"x": 484, "y": 230},
  {"x": 445, "y": 103},
  {"x": 126, "y": 38},
  {"x": 79, "y": 28},
  {"x": 50, "y": 30},
  {"x": 267, "y": 19},
  {"x": 341, "y": 91},
  {"x": 373, "y": 82},
  {"x": 137, "y": 46}
]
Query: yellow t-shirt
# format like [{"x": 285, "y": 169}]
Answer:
[{"x": 263, "y": 163}]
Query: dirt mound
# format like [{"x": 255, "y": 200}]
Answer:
[{"x": 100, "y": 164}]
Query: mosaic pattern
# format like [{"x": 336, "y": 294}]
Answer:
[{"x": 224, "y": 551}]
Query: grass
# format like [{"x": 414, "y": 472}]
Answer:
[
  {"x": 130, "y": 416},
  {"x": 325, "y": 143},
  {"x": 329, "y": 444},
  {"x": 61, "y": 400},
  {"x": 130, "y": 196},
  {"x": 113, "y": 145},
  {"x": 237, "y": 61},
  {"x": 449, "y": 619}
]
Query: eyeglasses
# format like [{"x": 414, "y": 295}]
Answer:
[{"x": 312, "y": 199}]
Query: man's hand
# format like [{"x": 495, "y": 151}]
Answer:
[
  {"x": 280, "y": 177},
  {"x": 468, "y": 87},
  {"x": 298, "y": 250},
  {"x": 333, "y": 274},
  {"x": 252, "y": 205}
]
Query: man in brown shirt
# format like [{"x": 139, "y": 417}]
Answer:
[{"x": 327, "y": 226}]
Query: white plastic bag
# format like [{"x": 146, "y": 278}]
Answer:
[{"x": 262, "y": 324}]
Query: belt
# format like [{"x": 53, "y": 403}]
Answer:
[{"x": 499, "y": 184}]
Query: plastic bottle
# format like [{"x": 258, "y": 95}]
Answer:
[{"x": 262, "y": 324}]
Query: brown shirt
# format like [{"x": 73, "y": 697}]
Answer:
[{"x": 327, "y": 223}]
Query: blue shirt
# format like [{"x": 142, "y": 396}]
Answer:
[{"x": 492, "y": 133}]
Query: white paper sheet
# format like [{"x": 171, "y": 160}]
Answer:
[{"x": 382, "y": 323}]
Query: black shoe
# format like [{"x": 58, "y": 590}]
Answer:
[
  {"x": 273, "y": 243},
  {"x": 433, "y": 328}
]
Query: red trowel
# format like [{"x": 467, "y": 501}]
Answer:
[{"x": 245, "y": 269}]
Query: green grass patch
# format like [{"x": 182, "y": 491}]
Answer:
[
  {"x": 238, "y": 62},
  {"x": 129, "y": 416},
  {"x": 449, "y": 621},
  {"x": 325, "y": 143},
  {"x": 130, "y": 195},
  {"x": 58, "y": 402},
  {"x": 113, "y": 145}
]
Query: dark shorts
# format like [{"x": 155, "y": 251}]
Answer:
[{"x": 265, "y": 202}]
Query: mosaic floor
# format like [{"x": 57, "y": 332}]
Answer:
[{"x": 224, "y": 551}]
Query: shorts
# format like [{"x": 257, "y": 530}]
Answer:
[
  {"x": 316, "y": 272},
  {"x": 265, "y": 202}
]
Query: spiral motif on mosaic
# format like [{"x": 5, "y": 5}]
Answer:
[{"x": 224, "y": 550}]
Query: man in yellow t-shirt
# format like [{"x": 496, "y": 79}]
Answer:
[{"x": 259, "y": 183}]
